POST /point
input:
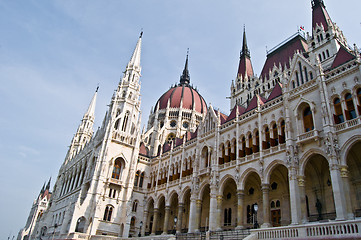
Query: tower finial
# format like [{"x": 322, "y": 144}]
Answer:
[
  {"x": 141, "y": 33},
  {"x": 185, "y": 78},
  {"x": 245, "y": 50}
]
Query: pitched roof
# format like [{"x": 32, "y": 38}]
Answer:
[
  {"x": 254, "y": 102},
  {"x": 245, "y": 67},
  {"x": 343, "y": 56},
  {"x": 143, "y": 150},
  {"x": 283, "y": 54},
  {"x": 166, "y": 147},
  {"x": 276, "y": 92},
  {"x": 223, "y": 117},
  {"x": 232, "y": 115},
  {"x": 178, "y": 141}
]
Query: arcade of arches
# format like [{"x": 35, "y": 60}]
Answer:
[{"x": 233, "y": 206}]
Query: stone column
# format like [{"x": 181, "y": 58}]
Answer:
[
  {"x": 346, "y": 189},
  {"x": 192, "y": 215},
  {"x": 180, "y": 217},
  {"x": 338, "y": 192},
  {"x": 166, "y": 220},
  {"x": 198, "y": 214},
  {"x": 295, "y": 197},
  {"x": 145, "y": 218},
  {"x": 240, "y": 219},
  {"x": 213, "y": 209},
  {"x": 155, "y": 220},
  {"x": 266, "y": 208},
  {"x": 219, "y": 212},
  {"x": 302, "y": 199}
]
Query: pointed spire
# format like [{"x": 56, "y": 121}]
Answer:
[
  {"x": 135, "y": 59},
  {"x": 245, "y": 50},
  {"x": 91, "y": 109},
  {"x": 185, "y": 78},
  {"x": 42, "y": 189},
  {"x": 320, "y": 15},
  {"x": 48, "y": 185},
  {"x": 245, "y": 68}
]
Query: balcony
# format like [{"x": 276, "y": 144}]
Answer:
[
  {"x": 348, "y": 124},
  {"x": 204, "y": 171},
  {"x": 340, "y": 229},
  {"x": 303, "y": 138},
  {"x": 114, "y": 181}
]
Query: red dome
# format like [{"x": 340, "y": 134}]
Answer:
[{"x": 185, "y": 93}]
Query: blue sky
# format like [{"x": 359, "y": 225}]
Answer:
[{"x": 53, "y": 54}]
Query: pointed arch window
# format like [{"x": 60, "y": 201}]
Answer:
[
  {"x": 135, "y": 206},
  {"x": 267, "y": 143},
  {"x": 256, "y": 146},
  {"x": 249, "y": 150},
  {"x": 117, "y": 169},
  {"x": 108, "y": 213},
  {"x": 359, "y": 100},
  {"x": 282, "y": 137},
  {"x": 141, "y": 180},
  {"x": 125, "y": 121},
  {"x": 338, "y": 117},
  {"x": 350, "y": 112},
  {"x": 308, "y": 120},
  {"x": 116, "y": 124},
  {"x": 305, "y": 71},
  {"x": 136, "y": 179},
  {"x": 274, "y": 141},
  {"x": 242, "y": 152},
  {"x": 221, "y": 159}
]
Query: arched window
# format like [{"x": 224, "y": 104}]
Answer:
[
  {"x": 141, "y": 180},
  {"x": 307, "y": 120},
  {"x": 256, "y": 146},
  {"x": 311, "y": 75},
  {"x": 125, "y": 121},
  {"x": 132, "y": 222},
  {"x": 117, "y": 168},
  {"x": 243, "y": 150},
  {"x": 267, "y": 143},
  {"x": 305, "y": 71},
  {"x": 327, "y": 53},
  {"x": 250, "y": 145},
  {"x": 350, "y": 112},
  {"x": 359, "y": 100},
  {"x": 297, "y": 79},
  {"x": 108, "y": 213},
  {"x": 80, "y": 225},
  {"x": 136, "y": 179},
  {"x": 135, "y": 206},
  {"x": 323, "y": 54},
  {"x": 275, "y": 135},
  {"x": 293, "y": 85},
  {"x": 282, "y": 137},
  {"x": 338, "y": 117}
]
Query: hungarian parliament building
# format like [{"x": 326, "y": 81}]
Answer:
[{"x": 285, "y": 162}]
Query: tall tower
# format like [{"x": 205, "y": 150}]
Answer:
[
  {"x": 116, "y": 156},
  {"x": 241, "y": 88},
  {"x": 327, "y": 38},
  {"x": 85, "y": 130}
]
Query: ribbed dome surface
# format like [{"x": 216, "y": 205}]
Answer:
[{"x": 182, "y": 93}]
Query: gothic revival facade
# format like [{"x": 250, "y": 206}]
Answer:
[{"x": 288, "y": 154}]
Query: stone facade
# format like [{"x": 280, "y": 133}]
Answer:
[{"x": 288, "y": 153}]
